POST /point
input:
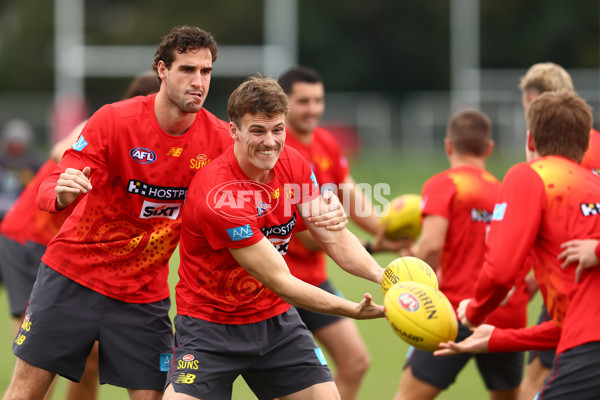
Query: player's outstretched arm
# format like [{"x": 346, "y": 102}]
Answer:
[
  {"x": 342, "y": 246},
  {"x": 583, "y": 252},
  {"x": 264, "y": 263}
]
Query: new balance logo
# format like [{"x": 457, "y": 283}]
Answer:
[
  {"x": 175, "y": 151},
  {"x": 185, "y": 378}
]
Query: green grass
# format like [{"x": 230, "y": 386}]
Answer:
[{"x": 405, "y": 175}]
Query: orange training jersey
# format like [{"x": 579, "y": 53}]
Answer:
[
  {"x": 226, "y": 210},
  {"x": 465, "y": 196},
  {"x": 542, "y": 204},
  {"x": 120, "y": 236},
  {"x": 25, "y": 221},
  {"x": 331, "y": 169}
]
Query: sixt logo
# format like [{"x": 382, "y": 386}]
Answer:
[
  {"x": 143, "y": 155},
  {"x": 156, "y": 192},
  {"x": 588, "y": 209},
  {"x": 160, "y": 210},
  {"x": 240, "y": 232}
]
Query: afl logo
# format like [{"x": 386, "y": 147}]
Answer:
[
  {"x": 408, "y": 301},
  {"x": 143, "y": 155},
  {"x": 188, "y": 357}
]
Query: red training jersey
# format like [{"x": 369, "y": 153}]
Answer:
[
  {"x": 466, "y": 196},
  {"x": 25, "y": 221},
  {"x": 331, "y": 169},
  {"x": 120, "y": 236},
  {"x": 591, "y": 158},
  {"x": 225, "y": 209},
  {"x": 542, "y": 204}
]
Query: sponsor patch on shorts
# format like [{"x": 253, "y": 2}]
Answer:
[
  {"x": 320, "y": 356},
  {"x": 166, "y": 361}
]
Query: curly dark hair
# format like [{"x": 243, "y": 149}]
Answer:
[{"x": 180, "y": 40}]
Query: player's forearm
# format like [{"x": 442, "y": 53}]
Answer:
[
  {"x": 350, "y": 255},
  {"x": 301, "y": 294},
  {"x": 360, "y": 210},
  {"x": 544, "y": 336}
]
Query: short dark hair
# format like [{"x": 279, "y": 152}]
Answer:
[
  {"x": 298, "y": 74},
  {"x": 470, "y": 132},
  {"x": 256, "y": 95},
  {"x": 180, "y": 40},
  {"x": 142, "y": 85},
  {"x": 560, "y": 123}
]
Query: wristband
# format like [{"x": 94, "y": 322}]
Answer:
[{"x": 369, "y": 247}]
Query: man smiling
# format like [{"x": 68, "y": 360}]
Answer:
[{"x": 234, "y": 295}]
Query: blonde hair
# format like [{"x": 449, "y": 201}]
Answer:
[{"x": 546, "y": 77}]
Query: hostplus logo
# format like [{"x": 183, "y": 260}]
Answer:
[
  {"x": 588, "y": 209},
  {"x": 156, "y": 192}
]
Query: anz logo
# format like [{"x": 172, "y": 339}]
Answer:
[
  {"x": 240, "y": 232},
  {"x": 143, "y": 155}
]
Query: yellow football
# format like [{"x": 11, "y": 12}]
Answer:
[
  {"x": 408, "y": 269},
  {"x": 421, "y": 315},
  {"x": 403, "y": 217}
]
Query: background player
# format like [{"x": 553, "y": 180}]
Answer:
[
  {"x": 457, "y": 208},
  {"x": 132, "y": 162},
  {"x": 305, "y": 258},
  {"x": 234, "y": 295},
  {"x": 541, "y": 78},
  {"x": 556, "y": 209},
  {"x": 26, "y": 231}
]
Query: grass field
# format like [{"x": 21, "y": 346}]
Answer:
[{"x": 387, "y": 350}]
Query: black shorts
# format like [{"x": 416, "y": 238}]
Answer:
[
  {"x": 500, "y": 371},
  {"x": 546, "y": 356},
  {"x": 313, "y": 320},
  {"x": 575, "y": 375},
  {"x": 19, "y": 264},
  {"x": 64, "y": 318},
  {"x": 276, "y": 357}
]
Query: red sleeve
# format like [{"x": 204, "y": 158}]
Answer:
[
  {"x": 597, "y": 250},
  {"x": 233, "y": 226},
  {"x": 90, "y": 150},
  {"x": 544, "y": 336},
  {"x": 437, "y": 195},
  {"x": 513, "y": 231}
]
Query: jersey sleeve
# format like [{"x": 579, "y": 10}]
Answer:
[
  {"x": 544, "y": 336},
  {"x": 90, "y": 150},
  {"x": 228, "y": 223},
  {"x": 437, "y": 194},
  {"x": 513, "y": 231}
]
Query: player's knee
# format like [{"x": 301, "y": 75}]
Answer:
[{"x": 357, "y": 366}]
